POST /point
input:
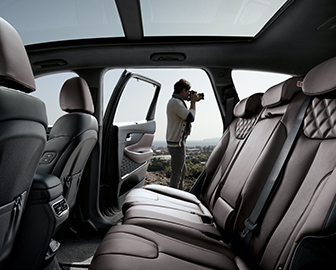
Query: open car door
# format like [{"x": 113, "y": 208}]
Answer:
[{"x": 128, "y": 133}]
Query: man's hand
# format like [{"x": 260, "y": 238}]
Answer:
[{"x": 194, "y": 97}]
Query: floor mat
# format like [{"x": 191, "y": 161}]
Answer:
[{"x": 78, "y": 253}]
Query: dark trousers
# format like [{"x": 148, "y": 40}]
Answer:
[{"x": 178, "y": 165}]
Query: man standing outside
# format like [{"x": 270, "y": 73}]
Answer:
[{"x": 179, "y": 119}]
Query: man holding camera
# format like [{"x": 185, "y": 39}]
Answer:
[{"x": 179, "y": 119}]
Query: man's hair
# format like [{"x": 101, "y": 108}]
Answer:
[{"x": 182, "y": 83}]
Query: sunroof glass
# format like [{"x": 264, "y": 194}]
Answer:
[
  {"x": 238, "y": 18},
  {"x": 48, "y": 20}
]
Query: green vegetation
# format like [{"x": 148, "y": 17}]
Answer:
[{"x": 196, "y": 158}]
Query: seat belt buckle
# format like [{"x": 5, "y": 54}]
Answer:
[
  {"x": 249, "y": 226},
  {"x": 68, "y": 179}
]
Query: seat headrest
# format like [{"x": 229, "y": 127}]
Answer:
[
  {"x": 248, "y": 106},
  {"x": 15, "y": 69},
  {"x": 321, "y": 79},
  {"x": 282, "y": 93},
  {"x": 75, "y": 96}
]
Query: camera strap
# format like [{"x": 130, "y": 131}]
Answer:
[{"x": 187, "y": 129}]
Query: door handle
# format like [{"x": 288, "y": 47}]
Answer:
[{"x": 129, "y": 137}]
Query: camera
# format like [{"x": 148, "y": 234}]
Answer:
[{"x": 194, "y": 92}]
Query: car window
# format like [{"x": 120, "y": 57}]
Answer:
[
  {"x": 141, "y": 93},
  {"x": 135, "y": 101},
  {"x": 48, "y": 89},
  {"x": 248, "y": 82},
  {"x": 206, "y": 126}
]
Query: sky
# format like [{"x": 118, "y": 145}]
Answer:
[
  {"x": 208, "y": 122},
  {"x": 63, "y": 19}
]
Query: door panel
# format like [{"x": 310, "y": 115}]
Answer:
[
  {"x": 140, "y": 151},
  {"x": 127, "y": 145},
  {"x": 133, "y": 170},
  {"x": 142, "y": 137}
]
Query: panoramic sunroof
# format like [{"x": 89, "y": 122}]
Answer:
[
  {"x": 235, "y": 18},
  {"x": 39, "y": 21}
]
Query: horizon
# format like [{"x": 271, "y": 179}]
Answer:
[
  {"x": 189, "y": 143},
  {"x": 208, "y": 118}
]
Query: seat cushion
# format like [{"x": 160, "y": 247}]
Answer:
[
  {"x": 139, "y": 248},
  {"x": 166, "y": 197}
]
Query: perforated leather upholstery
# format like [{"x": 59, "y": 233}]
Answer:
[
  {"x": 244, "y": 126},
  {"x": 320, "y": 119}
]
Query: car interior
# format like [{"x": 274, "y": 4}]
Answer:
[{"x": 73, "y": 192}]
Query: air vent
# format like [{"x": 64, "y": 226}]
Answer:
[{"x": 60, "y": 207}]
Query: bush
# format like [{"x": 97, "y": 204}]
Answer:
[
  {"x": 157, "y": 164},
  {"x": 195, "y": 164}
]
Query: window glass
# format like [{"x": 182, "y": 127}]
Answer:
[
  {"x": 208, "y": 123},
  {"x": 48, "y": 89},
  {"x": 239, "y": 18},
  {"x": 45, "y": 21},
  {"x": 135, "y": 101},
  {"x": 250, "y": 82}
]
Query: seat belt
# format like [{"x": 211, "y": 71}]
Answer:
[
  {"x": 251, "y": 223},
  {"x": 222, "y": 181},
  {"x": 231, "y": 99},
  {"x": 196, "y": 188}
]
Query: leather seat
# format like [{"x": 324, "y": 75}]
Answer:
[
  {"x": 241, "y": 159},
  {"x": 250, "y": 162},
  {"x": 247, "y": 112},
  {"x": 72, "y": 138},
  {"x": 297, "y": 226},
  {"x": 23, "y": 123}
]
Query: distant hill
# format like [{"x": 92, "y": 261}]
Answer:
[
  {"x": 212, "y": 140},
  {"x": 190, "y": 143}
]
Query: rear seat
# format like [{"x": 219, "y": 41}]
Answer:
[
  {"x": 224, "y": 155},
  {"x": 281, "y": 104},
  {"x": 181, "y": 207},
  {"x": 248, "y": 113},
  {"x": 300, "y": 215}
]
